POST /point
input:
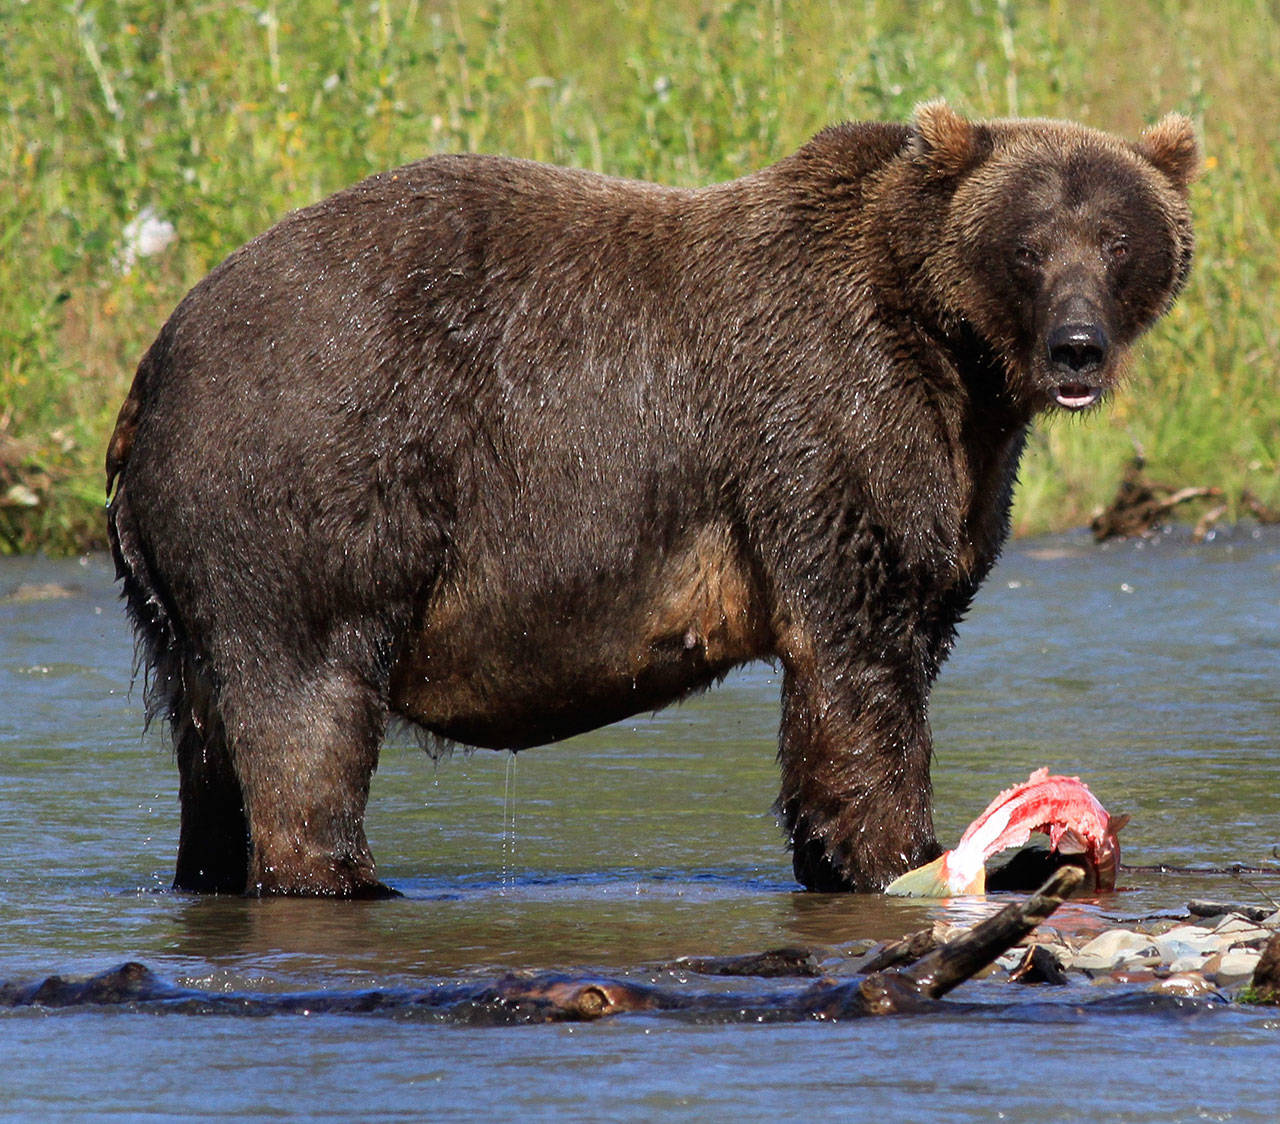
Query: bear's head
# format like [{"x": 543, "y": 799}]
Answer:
[{"x": 1057, "y": 244}]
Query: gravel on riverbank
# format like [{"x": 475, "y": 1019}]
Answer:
[{"x": 1210, "y": 948}]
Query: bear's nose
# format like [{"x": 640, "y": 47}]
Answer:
[{"x": 1077, "y": 347}]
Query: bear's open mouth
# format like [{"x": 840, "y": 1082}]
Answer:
[{"x": 1076, "y": 395}]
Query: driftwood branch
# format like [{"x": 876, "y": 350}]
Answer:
[
  {"x": 1141, "y": 505},
  {"x": 919, "y": 987},
  {"x": 905, "y": 951},
  {"x": 960, "y": 959},
  {"x": 1260, "y": 511}
]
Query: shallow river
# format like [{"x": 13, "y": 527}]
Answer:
[{"x": 1151, "y": 670}]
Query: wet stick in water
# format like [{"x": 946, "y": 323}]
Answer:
[
  {"x": 917, "y": 989},
  {"x": 958, "y": 960},
  {"x": 907, "y": 950}
]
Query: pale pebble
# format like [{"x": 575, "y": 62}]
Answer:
[
  {"x": 1189, "y": 962},
  {"x": 1116, "y": 948},
  {"x": 1235, "y": 925},
  {"x": 1176, "y": 949},
  {"x": 1232, "y": 967}
]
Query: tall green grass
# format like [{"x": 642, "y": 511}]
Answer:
[{"x": 220, "y": 115}]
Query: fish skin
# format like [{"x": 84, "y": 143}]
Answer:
[{"x": 1063, "y": 807}]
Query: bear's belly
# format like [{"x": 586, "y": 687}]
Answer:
[
  {"x": 538, "y": 664},
  {"x": 494, "y": 705}
]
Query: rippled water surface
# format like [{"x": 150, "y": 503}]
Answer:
[{"x": 1151, "y": 670}]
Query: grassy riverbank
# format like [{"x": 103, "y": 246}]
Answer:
[{"x": 218, "y": 117}]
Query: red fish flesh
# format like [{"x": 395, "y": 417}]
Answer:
[{"x": 1063, "y": 807}]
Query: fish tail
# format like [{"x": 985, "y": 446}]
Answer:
[{"x": 934, "y": 880}]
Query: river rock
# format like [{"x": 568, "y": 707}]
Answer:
[
  {"x": 1235, "y": 966},
  {"x": 1241, "y": 931},
  {"x": 1142, "y": 976},
  {"x": 1186, "y": 946},
  {"x": 1187, "y": 961},
  {"x": 1184, "y": 983},
  {"x": 1114, "y": 949},
  {"x": 1011, "y": 960}
]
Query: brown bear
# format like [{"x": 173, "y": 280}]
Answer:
[{"x": 513, "y": 451}]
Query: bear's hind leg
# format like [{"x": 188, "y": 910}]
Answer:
[
  {"x": 213, "y": 844},
  {"x": 304, "y": 763}
]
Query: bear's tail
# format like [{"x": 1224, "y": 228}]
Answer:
[
  {"x": 121, "y": 443},
  {"x": 156, "y": 642},
  {"x": 159, "y": 644}
]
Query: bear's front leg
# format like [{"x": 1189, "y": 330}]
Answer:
[{"x": 854, "y": 750}]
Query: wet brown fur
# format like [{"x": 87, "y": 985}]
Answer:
[{"x": 513, "y": 451}]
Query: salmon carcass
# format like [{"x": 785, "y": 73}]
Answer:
[{"x": 1062, "y": 807}]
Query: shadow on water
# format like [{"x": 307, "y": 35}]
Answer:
[{"x": 1149, "y": 670}]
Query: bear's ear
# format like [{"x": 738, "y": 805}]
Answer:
[
  {"x": 1170, "y": 144},
  {"x": 942, "y": 139}
]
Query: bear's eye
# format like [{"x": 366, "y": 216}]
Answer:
[
  {"x": 1117, "y": 248},
  {"x": 1026, "y": 256}
]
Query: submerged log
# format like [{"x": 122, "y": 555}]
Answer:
[
  {"x": 556, "y": 997},
  {"x": 776, "y": 962},
  {"x": 919, "y": 988}
]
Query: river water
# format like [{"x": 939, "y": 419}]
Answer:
[{"x": 1152, "y": 670}]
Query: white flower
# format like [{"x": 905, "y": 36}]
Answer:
[{"x": 146, "y": 234}]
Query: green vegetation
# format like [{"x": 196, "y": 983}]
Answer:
[
  {"x": 219, "y": 116},
  {"x": 1257, "y": 996}
]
